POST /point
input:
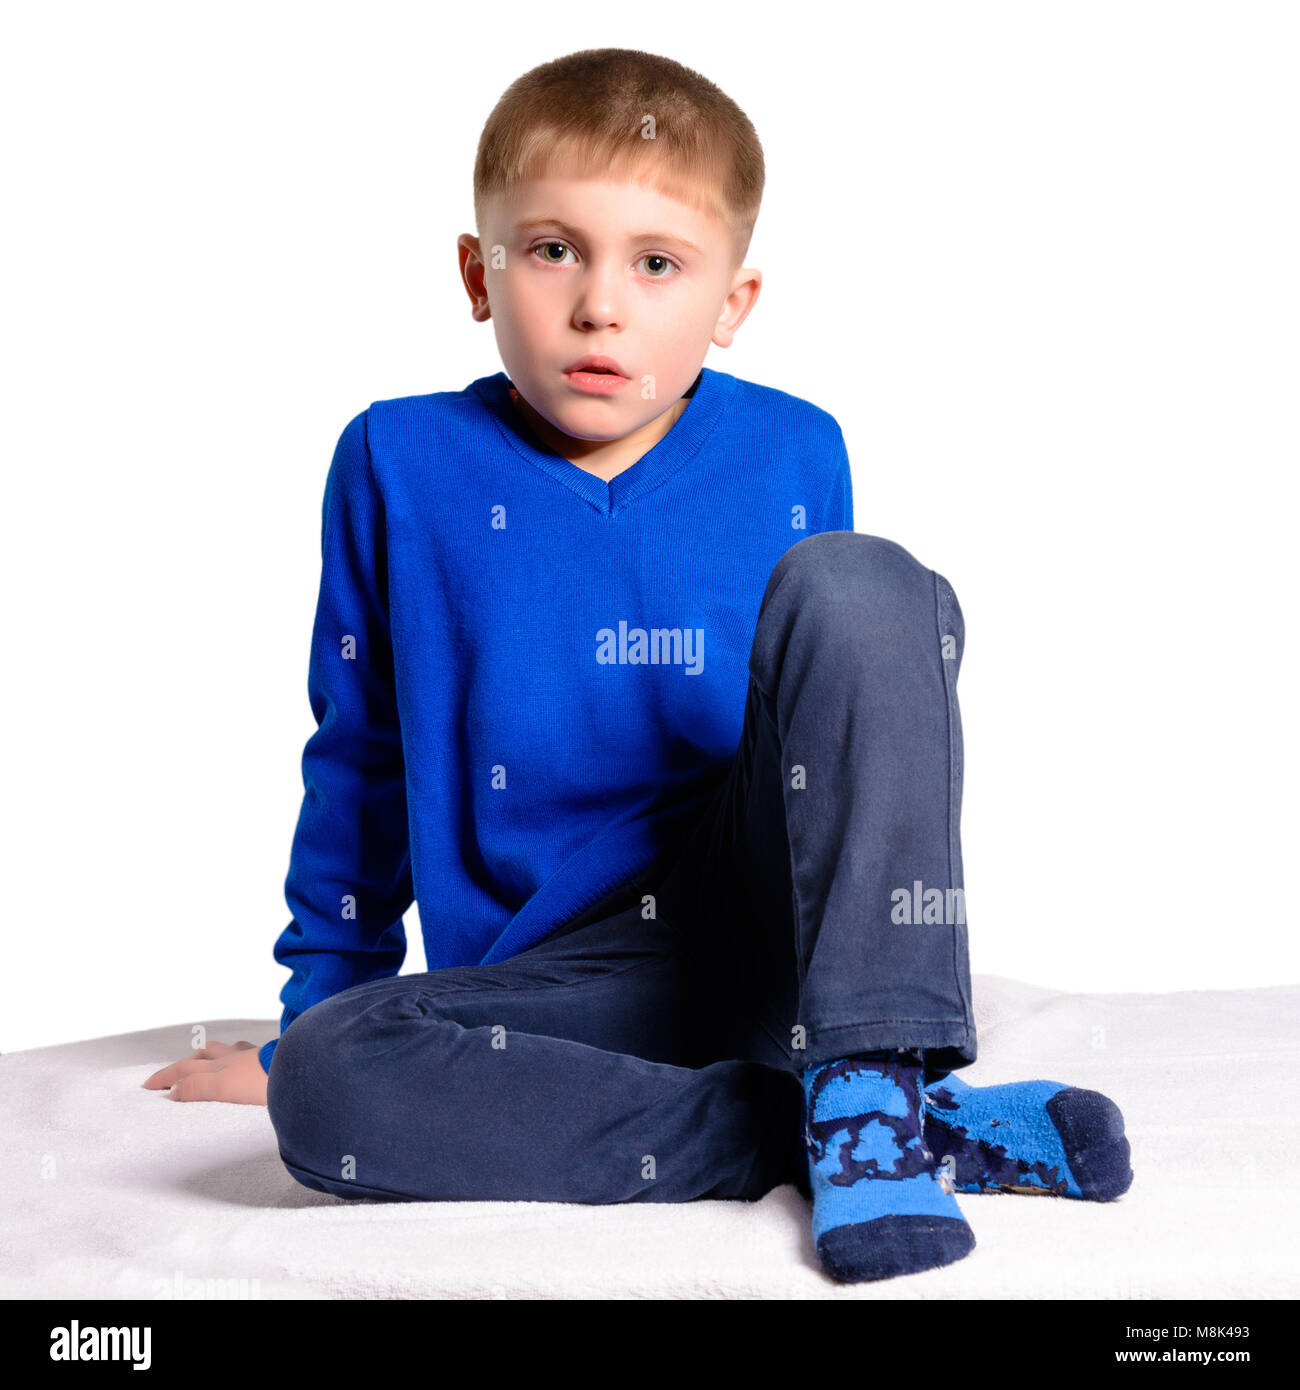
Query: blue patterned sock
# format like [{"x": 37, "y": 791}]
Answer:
[
  {"x": 1027, "y": 1136},
  {"x": 879, "y": 1208}
]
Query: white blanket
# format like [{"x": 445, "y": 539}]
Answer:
[{"x": 112, "y": 1191}]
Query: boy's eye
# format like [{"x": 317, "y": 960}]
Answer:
[{"x": 553, "y": 253}]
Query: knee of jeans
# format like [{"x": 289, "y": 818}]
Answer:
[
  {"x": 315, "y": 1075},
  {"x": 871, "y": 573}
]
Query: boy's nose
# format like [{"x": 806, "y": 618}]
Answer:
[{"x": 600, "y": 301}]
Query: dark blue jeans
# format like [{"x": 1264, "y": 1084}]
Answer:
[{"x": 651, "y": 1050}]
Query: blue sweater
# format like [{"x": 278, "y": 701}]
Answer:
[{"x": 527, "y": 680}]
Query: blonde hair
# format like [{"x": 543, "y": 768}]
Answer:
[{"x": 625, "y": 113}]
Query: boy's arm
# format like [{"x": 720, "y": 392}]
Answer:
[{"x": 349, "y": 879}]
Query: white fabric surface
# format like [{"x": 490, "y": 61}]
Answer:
[{"x": 113, "y": 1191}]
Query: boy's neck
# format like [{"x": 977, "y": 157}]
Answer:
[{"x": 605, "y": 459}]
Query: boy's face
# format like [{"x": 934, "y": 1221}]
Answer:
[{"x": 608, "y": 268}]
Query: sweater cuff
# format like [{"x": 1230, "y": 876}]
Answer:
[{"x": 264, "y": 1053}]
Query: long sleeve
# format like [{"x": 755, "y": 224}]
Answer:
[{"x": 349, "y": 879}]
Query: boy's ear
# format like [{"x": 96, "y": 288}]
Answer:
[
  {"x": 472, "y": 268},
  {"x": 741, "y": 298}
]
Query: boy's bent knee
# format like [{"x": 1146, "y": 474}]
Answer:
[
  {"x": 844, "y": 564},
  {"x": 866, "y": 588},
  {"x": 316, "y": 1073}
]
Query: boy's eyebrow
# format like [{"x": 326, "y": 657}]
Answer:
[{"x": 537, "y": 223}]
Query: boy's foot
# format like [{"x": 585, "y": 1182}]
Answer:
[
  {"x": 1027, "y": 1136},
  {"x": 879, "y": 1208}
]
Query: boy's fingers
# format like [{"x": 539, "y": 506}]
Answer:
[
  {"x": 207, "y": 1062},
  {"x": 198, "y": 1085},
  {"x": 213, "y": 1052},
  {"x": 160, "y": 1080},
  {"x": 216, "y": 1085}
]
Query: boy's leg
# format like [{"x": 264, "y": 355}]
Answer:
[
  {"x": 828, "y": 868},
  {"x": 837, "y": 829},
  {"x": 573, "y": 1072},
  {"x": 831, "y": 880},
  {"x": 899, "y": 627}
]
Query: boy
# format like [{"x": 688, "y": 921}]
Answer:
[{"x": 668, "y": 753}]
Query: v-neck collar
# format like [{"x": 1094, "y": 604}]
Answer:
[{"x": 713, "y": 392}]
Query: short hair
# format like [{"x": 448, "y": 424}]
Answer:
[{"x": 623, "y": 112}]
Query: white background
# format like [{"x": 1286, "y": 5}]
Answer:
[{"x": 1038, "y": 259}]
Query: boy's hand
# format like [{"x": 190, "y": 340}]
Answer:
[{"x": 216, "y": 1072}]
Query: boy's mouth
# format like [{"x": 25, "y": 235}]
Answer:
[
  {"x": 596, "y": 366},
  {"x": 596, "y": 375}
]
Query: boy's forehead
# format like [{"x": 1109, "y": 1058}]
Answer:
[{"x": 606, "y": 206}]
